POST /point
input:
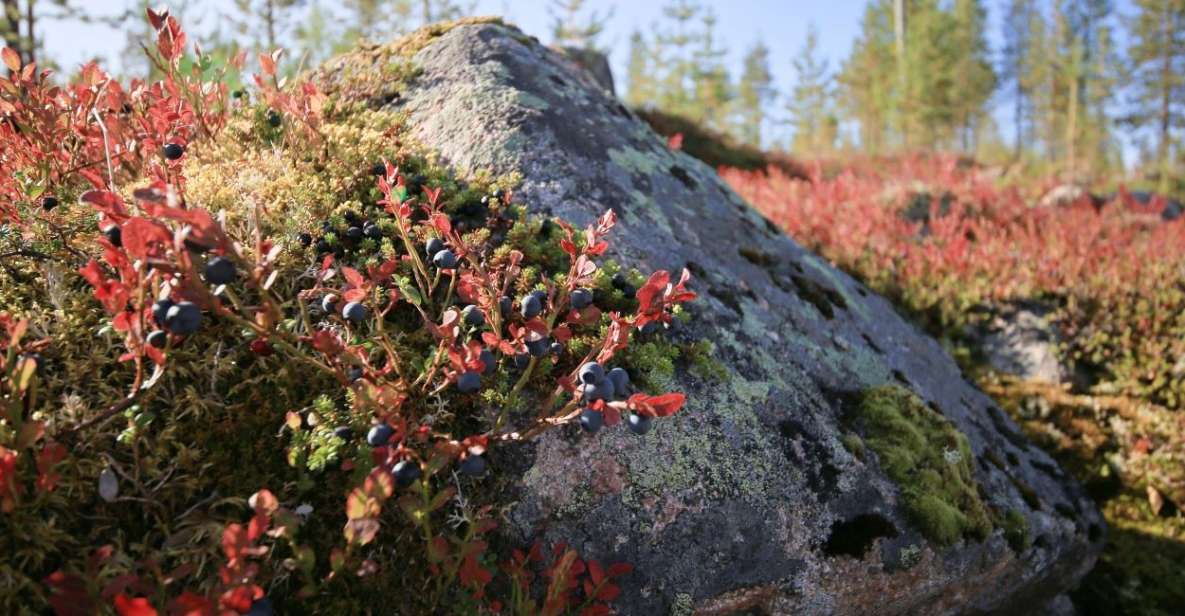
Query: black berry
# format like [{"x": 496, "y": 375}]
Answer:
[
  {"x": 378, "y": 169},
  {"x": 273, "y": 118},
  {"x": 379, "y": 435},
  {"x": 354, "y": 234},
  {"x": 160, "y": 310},
  {"x": 487, "y": 358},
  {"x": 469, "y": 382},
  {"x": 505, "y": 305},
  {"x": 183, "y": 319},
  {"x": 581, "y": 298},
  {"x": 474, "y": 466},
  {"x": 445, "y": 260},
  {"x": 329, "y": 304},
  {"x": 305, "y": 239},
  {"x": 345, "y": 433},
  {"x": 557, "y": 348},
  {"x": 433, "y": 246},
  {"x": 373, "y": 232},
  {"x": 261, "y": 607},
  {"x": 591, "y": 420},
  {"x": 531, "y": 306},
  {"x": 639, "y": 424},
  {"x": 538, "y": 348},
  {"x": 173, "y": 151},
  {"x": 406, "y": 473},
  {"x": 158, "y": 339},
  {"x": 473, "y": 316},
  {"x": 114, "y": 235},
  {"x": 220, "y": 270},
  {"x": 354, "y": 374},
  {"x": 355, "y": 312},
  {"x": 591, "y": 373},
  {"x": 49, "y": 202}
]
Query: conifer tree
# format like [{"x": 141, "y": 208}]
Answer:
[
  {"x": 573, "y": 27},
  {"x": 810, "y": 103},
  {"x": 754, "y": 92},
  {"x": 1157, "y": 54}
]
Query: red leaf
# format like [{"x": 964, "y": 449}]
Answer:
[
  {"x": 127, "y": 606},
  {"x": 353, "y": 277},
  {"x": 441, "y": 223},
  {"x": 675, "y": 142},
  {"x": 652, "y": 290},
  {"x": 657, "y": 406},
  {"x": 12, "y": 59},
  {"x": 268, "y": 64},
  {"x": 189, "y": 604},
  {"x": 70, "y": 596}
]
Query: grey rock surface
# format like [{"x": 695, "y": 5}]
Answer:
[
  {"x": 1022, "y": 342},
  {"x": 595, "y": 62},
  {"x": 736, "y": 504}
]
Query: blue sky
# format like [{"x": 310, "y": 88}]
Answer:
[{"x": 781, "y": 24}]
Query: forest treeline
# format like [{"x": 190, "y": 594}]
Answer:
[{"x": 1076, "y": 77}]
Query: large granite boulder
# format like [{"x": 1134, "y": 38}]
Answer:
[{"x": 761, "y": 496}]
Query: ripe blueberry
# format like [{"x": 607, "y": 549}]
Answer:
[
  {"x": 469, "y": 382},
  {"x": 158, "y": 339},
  {"x": 372, "y": 231},
  {"x": 273, "y": 118},
  {"x": 505, "y": 305},
  {"x": 538, "y": 348},
  {"x": 581, "y": 298},
  {"x": 354, "y": 374},
  {"x": 522, "y": 360},
  {"x": 620, "y": 379},
  {"x": 473, "y": 316},
  {"x": 406, "y": 473},
  {"x": 261, "y": 607},
  {"x": 557, "y": 348},
  {"x": 379, "y": 435},
  {"x": 445, "y": 260},
  {"x": 474, "y": 466},
  {"x": 305, "y": 239},
  {"x": 114, "y": 235},
  {"x": 591, "y": 372},
  {"x": 433, "y": 246},
  {"x": 598, "y": 391},
  {"x": 173, "y": 151},
  {"x": 354, "y": 234},
  {"x": 541, "y": 294},
  {"x": 378, "y": 169},
  {"x": 490, "y": 362},
  {"x": 619, "y": 281},
  {"x": 329, "y": 303},
  {"x": 355, "y": 312},
  {"x": 345, "y": 433},
  {"x": 220, "y": 270},
  {"x": 639, "y": 424},
  {"x": 591, "y": 420},
  {"x": 649, "y": 328},
  {"x": 160, "y": 310},
  {"x": 352, "y": 218},
  {"x": 183, "y": 319},
  {"x": 531, "y": 306},
  {"x": 49, "y": 202},
  {"x": 323, "y": 247}
]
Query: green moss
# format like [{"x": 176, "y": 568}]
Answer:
[
  {"x": 929, "y": 459},
  {"x": 1016, "y": 530}
]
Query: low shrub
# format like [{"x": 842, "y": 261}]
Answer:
[{"x": 262, "y": 352}]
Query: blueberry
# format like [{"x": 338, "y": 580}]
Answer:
[
  {"x": 541, "y": 294},
  {"x": 355, "y": 312},
  {"x": 474, "y": 466},
  {"x": 473, "y": 316},
  {"x": 406, "y": 473},
  {"x": 608, "y": 389},
  {"x": 557, "y": 348},
  {"x": 157, "y": 339},
  {"x": 445, "y": 260},
  {"x": 433, "y": 246},
  {"x": 591, "y": 372},
  {"x": 620, "y": 379},
  {"x": 183, "y": 319},
  {"x": 237, "y": 94},
  {"x": 323, "y": 247},
  {"x": 345, "y": 433},
  {"x": 354, "y": 234},
  {"x": 469, "y": 382},
  {"x": 538, "y": 348},
  {"x": 220, "y": 270},
  {"x": 196, "y": 247},
  {"x": 114, "y": 235},
  {"x": 378, "y": 169},
  {"x": 598, "y": 391},
  {"x": 305, "y": 239},
  {"x": 522, "y": 360},
  {"x": 352, "y": 218},
  {"x": 505, "y": 306},
  {"x": 49, "y": 202},
  {"x": 373, "y": 232},
  {"x": 591, "y": 420},
  {"x": 261, "y": 607},
  {"x": 329, "y": 304},
  {"x": 531, "y": 306},
  {"x": 639, "y": 424},
  {"x": 545, "y": 228},
  {"x": 581, "y": 298},
  {"x": 619, "y": 281},
  {"x": 629, "y": 291},
  {"x": 160, "y": 310},
  {"x": 497, "y": 194},
  {"x": 379, "y": 435},
  {"x": 649, "y": 328},
  {"x": 490, "y": 362},
  {"x": 273, "y": 118},
  {"x": 173, "y": 151},
  {"x": 354, "y": 374}
]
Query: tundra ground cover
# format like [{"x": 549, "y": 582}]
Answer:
[
  {"x": 258, "y": 351},
  {"x": 950, "y": 246}
]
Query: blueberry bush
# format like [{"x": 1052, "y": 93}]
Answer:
[{"x": 260, "y": 351}]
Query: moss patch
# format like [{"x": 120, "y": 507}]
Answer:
[{"x": 929, "y": 459}]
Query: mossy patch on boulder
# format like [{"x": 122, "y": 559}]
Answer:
[{"x": 929, "y": 459}]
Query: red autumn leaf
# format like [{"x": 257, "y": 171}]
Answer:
[
  {"x": 675, "y": 142},
  {"x": 240, "y": 598},
  {"x": 657, "y": 406},
  {"x": 12, "y": 59},
  {"x": 70, "y": 596},
  {"x": 653, "y": 289},
  {"x": 441, "y": 223},
  {"x": 50, "y": 456},
  {"x": 353, "y": 277},
  {"x": 128, "y": 606},
  {"x": 267, "y": 64},
  {"x": 190, "y": 604}
]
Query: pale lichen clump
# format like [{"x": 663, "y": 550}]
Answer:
[{"x": 930, "y": 461}]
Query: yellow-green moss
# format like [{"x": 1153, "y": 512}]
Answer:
[
  {"x": 929, "y": 459},
  {"x": 1016, "y": 530}
]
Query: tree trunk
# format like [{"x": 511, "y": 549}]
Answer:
[
  {"x": 30, "y": 40},
  {"x": 1166, "y": 94},
  {"x": 899, "y": 23}
]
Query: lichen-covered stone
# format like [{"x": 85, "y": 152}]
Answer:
[{"x": 749, "y": 499}]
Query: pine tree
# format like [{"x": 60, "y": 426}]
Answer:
[
  {"x": 571, "y": 27},
  {"x": 264, "y": 21},
  {"x": 1016, "y": 62},
  {"x": 640, "y": 73},
  {"x": 1157, "y": 54},
  {"x": 673, "y": 58},
  {"x": 712, "y": 86},
  {"x": 866, "y": 79},
  {"x": 754, "y": 92},
  {"x": 974, "y": 79},
  {"x": 810, "y": 102},
  {"x": 315, "y": 35}
]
